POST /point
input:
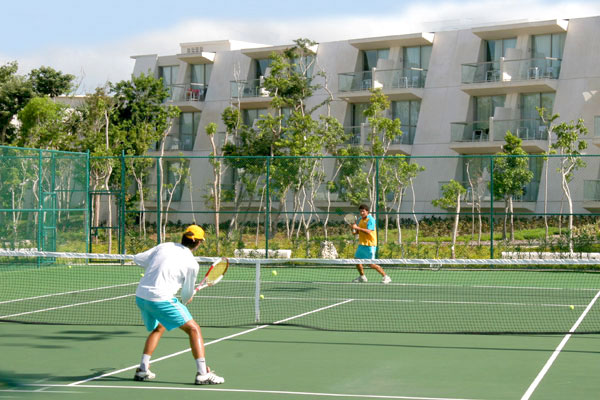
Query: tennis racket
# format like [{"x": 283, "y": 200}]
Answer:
[
  {"x": 215, "y": 273},
  {"x": 350, "y": 219}
]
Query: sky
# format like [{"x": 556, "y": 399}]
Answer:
[{"x": 94, "y": 40}]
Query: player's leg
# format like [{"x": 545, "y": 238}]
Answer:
[
  {"x": 386, "y": 278},
  {"x": 204, "y": 376},
  {"x": 361, "y": 274}
]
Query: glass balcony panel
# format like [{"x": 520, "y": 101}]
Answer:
[
  {"x": 408, "y": 135},
  {"x": 355, "y": 81},
  {"x": 525, "y": 129},
  {"x": 477, "y": 131},
  {"x": 250, "y": 88},
  {"x": 511, "y": 70},
  {"x": 355, "y": 134},
  {"x": 591, "y": 190},
  {"x": 400, "y": 78},
  {"x": 481, "y": 72}
]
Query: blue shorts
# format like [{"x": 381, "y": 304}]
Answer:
[
  {"x": 365, "y": 252},
  {"x": 171, "y": 314}
]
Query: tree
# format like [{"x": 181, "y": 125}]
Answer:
[
  {"x": 15, "y": 93},
  {"x": 451, "y": 194},
  {"x": 547, "y": 120},
  {"x": 511, "y": 174},
  {"x": 42, "y": 125},
  {"x": 46, "y": 81},
  {"x": 569, "y": 145}
]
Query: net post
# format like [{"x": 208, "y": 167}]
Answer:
[{"x": 257, "y": 294}]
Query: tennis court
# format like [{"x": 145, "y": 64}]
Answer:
[{"x": 533, "y": 333}]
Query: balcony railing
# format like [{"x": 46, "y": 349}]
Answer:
[
  {"x": 249, "y": 88},
  {"x": 355, "y": 132},
  {"x": 591, "y": 190},
  {"x": 530, "y": 192},
  {"x": 408, "y": 135},
  {"x": 187, "y": 92},
  {"x": 525, "y": 129},
  {"x": 385, "y": 79},
  {"x": 511, "y": 70},
  {"x": 477, "y": 131}
]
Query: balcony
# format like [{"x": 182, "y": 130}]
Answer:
[
  {"x": 400, "y": 145},
  {"x": 188, "y": 96},
  {"x": 525, "y": 202},
  {"x": 397, "y": 84},
  {"x": 591, "y": 195},
  {"x": 472, "y": 138},
  {"x": 487, "y": 137},
  {"x": 511, "y": 76},
  {"x": 250, "y": 92}
]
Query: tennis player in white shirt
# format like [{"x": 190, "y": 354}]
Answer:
[{"x": 168, "y": 268}]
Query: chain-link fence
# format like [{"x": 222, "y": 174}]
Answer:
[
  {"x": 476, "y": 206},
  {"x": 43, "y": 199}
]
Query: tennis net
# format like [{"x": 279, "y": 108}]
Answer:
[{"x": 425, "y": 296}]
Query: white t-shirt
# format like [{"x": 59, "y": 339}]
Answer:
[{"x": 168, "y": 268}]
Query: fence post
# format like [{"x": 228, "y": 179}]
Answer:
[
  {"x": 377, "y": 206},
  {"x": 491, "y": 206},
  {"x": 158, "y": 200},
  {"x": 88, "y": 215},
  {"x": 122, "y": 206},
  {"x": 267, "y": 210}
]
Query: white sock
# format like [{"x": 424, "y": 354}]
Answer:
[
  {"x": 145, "y": 364},
  {"x": 201, "y": 364}
]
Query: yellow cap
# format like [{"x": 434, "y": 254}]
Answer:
[{"x": 194, "y": 232}]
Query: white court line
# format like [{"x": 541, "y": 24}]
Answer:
[
  {"x": 557, "y": 351},
  {"x": 361, "y": 396},
  {"x": 66, "y": 306},
  {"x": 65, "y": 293},
  {"x": 212, "y": 342}
]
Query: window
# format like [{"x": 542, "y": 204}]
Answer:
[
  {"x": 416, "y": 57},
  {"x": 176, "y": 171},
  {"x": 169, "y": 77},
  {"x": 531, "y": 101},
  {"x": 201, "y": 73},
  {"x": 485, "y": 106},
  {"x": 370, "y": 58},
  {"x": 548, "y": 45},
  {"x": 304, "y": 65},
  {"x": 495, "y": 49},
  {"x": 408, "y": 113},
  {"x": 544, "y": 47},
  {"x": 188, "y": 128},
  {"x": 358, "y": 113},
  {"x": 261, "y": 66},
  {"x": 249, "y": 116}
]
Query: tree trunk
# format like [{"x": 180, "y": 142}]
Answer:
[{"x": 455, "y": 230}]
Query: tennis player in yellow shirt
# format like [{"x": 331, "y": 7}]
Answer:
[{"x": 367, "y": 244}]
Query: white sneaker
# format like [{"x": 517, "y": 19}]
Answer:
[
  {"x": 386, "y": 279},
  {"x": 360, "y": 279},
  {"x": 209, "y": 378},
  {"x": 143, "y": 375}
]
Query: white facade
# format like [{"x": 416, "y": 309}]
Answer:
[{"x": 467, "y": 86}]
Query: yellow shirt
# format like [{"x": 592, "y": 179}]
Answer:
[{"x": 367, "y": 239}]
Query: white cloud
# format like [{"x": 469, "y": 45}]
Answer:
[{"x": 111, "y": 61}]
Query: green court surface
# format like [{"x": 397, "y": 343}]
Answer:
[{"x": 283, "y": 362}]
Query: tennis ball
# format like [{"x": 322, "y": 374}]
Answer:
[
  {"x": 262, "y": 296},
  {"x": 70, "y": 266},
  {"x": 141, "y": 274},
  {"x": 572, "y": 307},
  {"x": 274, "y": 273}
]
